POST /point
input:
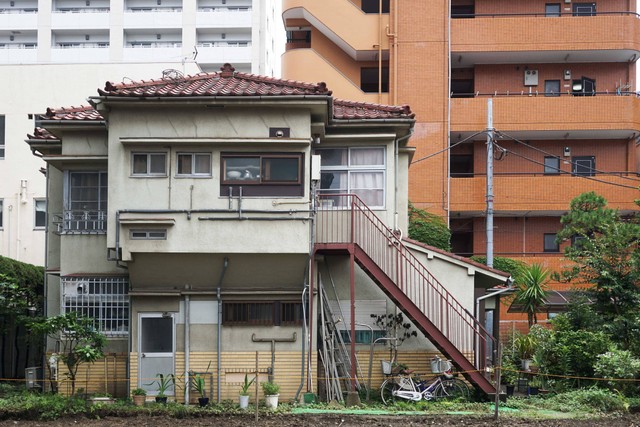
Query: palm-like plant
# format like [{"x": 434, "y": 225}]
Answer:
[{"x": 531, "y": 293}]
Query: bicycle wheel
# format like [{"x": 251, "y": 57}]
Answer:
[
  {"x": 451, "y": 389},
  {"x": 387, "y": 392}
]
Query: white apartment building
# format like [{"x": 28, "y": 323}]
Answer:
[{"x": 45, "y": 45}]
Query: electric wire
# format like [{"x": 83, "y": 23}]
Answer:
[{"x": 448, "y": 148}]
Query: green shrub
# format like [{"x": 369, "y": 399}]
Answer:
[
  {"x": 428, "y": 228},
  {"x": 588, "y": 400},
  {"x": 618, "y": 364}
]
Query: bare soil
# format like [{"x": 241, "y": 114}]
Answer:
[{"x": 333, "y": 420}]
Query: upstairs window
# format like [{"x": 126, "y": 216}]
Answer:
[
  {"x": 584, "y": 165},
  {"x": 552, "y": 88},
  {"x": 373, "y": 6},
  {"x": 194, "y": 164},
  {"x": 359, "y": 171},
  {"x": 277, "y": 174},
  {"x": 86, "y": 205},
  {"x": 369, "y": 79},
  {"x": 550, "y": 244},
  {"x": 551, "y": 165},
  {"x": 552, "y": 9},
  {"x": 149, "y": 164},
  {"x": 271, "y": 313},
  {"x": 40, "y": 213}
]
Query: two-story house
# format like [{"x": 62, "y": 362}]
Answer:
[{"x": 203, "y": 219}]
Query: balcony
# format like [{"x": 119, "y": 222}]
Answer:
[
  {"x": 19, "y": 19},
  {"x": 151, "y": 51},
  {"x": 539, "y": 117},
  {"x": 90, "y": 19},
  {"x": 80, "y": 52},
  {"x": 339, "y": 27},
  {"x": 18, "y": 53},
  {"x": 222, "y": 52},
  {"x": 80, "y": 222},
  {"x": 308, "y": 65},
  {"x": 156, "y": 19},
  {"x": 517, "y": 39},
  {"x": 539, "y": 194},
  {"x": 223, "y": 18}
]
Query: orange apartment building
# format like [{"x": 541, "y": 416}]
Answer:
[{"x": 562, "y": 78}]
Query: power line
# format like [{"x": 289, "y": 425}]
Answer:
[{"x": 449, "y": 147}]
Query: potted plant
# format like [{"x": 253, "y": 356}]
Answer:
[
  {"x": 139, "y": 396},
  {"x": 509, "y": 376},
  {"x": 525, "y": 347},
  {"x": 271, "y": 390},
  {"x": 199, "y": 385},
  {"x": 534, "y": 386},
  {"x": 244, "y": 392},
  {"x": 163, "y": 383}
]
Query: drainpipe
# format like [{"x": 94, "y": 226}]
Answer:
[
  {"x": 219, "y": 297},
  {"x": 509, "y": 288},
  {"x": 397, "y": 162},
  {"x": 380, "y": 52},
  {"x": 304, "y": 340},
  {"x": 187, "y": 332}
]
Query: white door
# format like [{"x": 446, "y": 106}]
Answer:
[{"x": 156, "y": 344}]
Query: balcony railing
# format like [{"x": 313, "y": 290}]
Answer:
[
  {"x": 542, "y": 14},
  {"x": 81, "y": 222}
]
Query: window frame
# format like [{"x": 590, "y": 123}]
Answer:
[
  {"x": 3, "y": 134},
  {"x": 576, "y": 162},
  {"x": 551, "y": 93},
  {"x": 552, "y": 13},
  {"x": 148, "y": 173},
  {"x": 240, "y": 313},
  {"x": 90, "y": 294},
  {"x": 355, "y": 169},
  {"x": 260, "y": 187},
  {"x": 549, "y": 249},
  {"x": 148, "y": 234},
  {"x": 35, "y": 214},
  {"x": 550, "y": 169},
  {"x": 374, "y": 74},
  {"x": 193, "y": 173}
]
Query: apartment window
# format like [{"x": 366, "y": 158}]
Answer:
[
  {"x": 584, "y": 165},
  {"x": 104, "y": 299},
  {"x": 551, "y": 165},
  {"x": 550, "y": 244},
  {"x": 194, "y": 164},
  {"x": 272, "y": 313},
  {"x": 359, "y": 171},
  {"x": 369, "y": 79},
  {"x": 40, "y": 213},
  {"x": 552, "y": 88},
  {"x": 2, "y": 137},
  {"x": 262, "y": 174},
  {"x": 149, "y": 164},
  {"x": 86, "y": 202},
  {"x": 584, "y": 9},
  {"x": 461, "y": 166},
  {"x": 462, "y": 11},
  {"x": 552, "y": 9},
  {"x": 373, "y": 6},
  {"x": 148, "y": 234},
  {"x": 578, "y": 241}
]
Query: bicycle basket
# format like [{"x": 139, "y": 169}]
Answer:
[
  {"x": 439, "y": 365},
  {"x": 386, "y": 367}
]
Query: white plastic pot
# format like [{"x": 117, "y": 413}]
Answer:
[
  {"x": 244, "y": 401},
  {"x": 271, "y": 401}
]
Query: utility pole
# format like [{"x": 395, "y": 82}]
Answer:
[{"x": 489, "y": 182}]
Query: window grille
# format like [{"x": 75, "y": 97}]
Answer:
[{"x": 105, "y": 299}]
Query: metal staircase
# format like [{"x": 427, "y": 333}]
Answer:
[{"x": 345, "y": 224}]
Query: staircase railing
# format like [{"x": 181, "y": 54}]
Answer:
[{"x": 345, "y": 218}]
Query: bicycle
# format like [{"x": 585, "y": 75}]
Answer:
[{"x": 402, "y": 385}]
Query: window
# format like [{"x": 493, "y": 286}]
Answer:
[
  {"x": 578, "y": 241},
  {"x": 105, "y": 299},
  {"x": 363, "y": 336},
  {"x": 369, "y": 79},
  {"x": 194, "y": 164},
  {"x": 148, "y": 234},
  {"x": 552, "y": 88},
  {"x": 262, "y": 174},
  {"x": 373, "y": 6},
  {"x": 551, "y": 165},
  {"x": 584, "y": 9},
  {"x": 462, "y": 88},
  {"x": 461, "y": 166},
  {"x": 40, "y": 213},
  {"x": 550, "y": 244},
  {"x": 2, "y": 137},
  {"x": 1, "y": 212},
  {"x": 149, "y": 164},
  {"x": 462, "y": 11},
  {"x": 86, "y": 202},
  {"x": 359, "y": 171},
  {"x": 365, "y": 314},
  {"x": 552, "y": 9},
  {"x": 583, "y": 165},
  {"x": 274, "y": 313}
]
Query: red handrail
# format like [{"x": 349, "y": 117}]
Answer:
[{"x": 345, "y": 218}]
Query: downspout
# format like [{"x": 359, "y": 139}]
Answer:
[
  {"x": 187, "y": 344},
  {"x": 219, "y": 296},
  {"x": 46, "y": 281},
  {"x": 397, "y": 162},
  {"x": 380, "y": 52},
  {"x": 509, "y": 288},
  {"x": 448, "y": 167}
]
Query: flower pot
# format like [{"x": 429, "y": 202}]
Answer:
[
  {"x": 203, "y": 401},
  {"x": 526, "y": 363},
  {"x": 139, "y": 400},
  {"x": 161, "y": 399},
  {"x": 244, "y": 401},
  {"x": 271, "y": 401},
  {"x": 510, "y": 390},
  {"x": 101, "y": 400},
  {"x": 532, "y": 391}
]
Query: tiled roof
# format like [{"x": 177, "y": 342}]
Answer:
[
  {"x": 227, "y": 82},
  {"x": 42, "y": 133},
  {"x": 364, "y": 110},
  {"x": 84, "y": 112}
]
